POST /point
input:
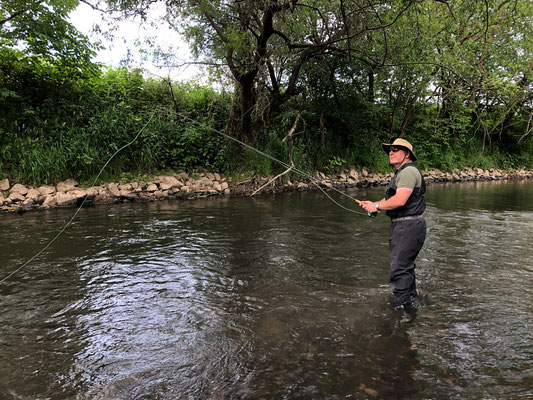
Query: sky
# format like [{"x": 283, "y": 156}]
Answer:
[{"x": 84, "y": 19}]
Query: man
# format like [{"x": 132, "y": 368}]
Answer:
[{"x": 404, "y": 203}]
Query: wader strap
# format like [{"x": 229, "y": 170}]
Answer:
[{"x": 406, "y": 218}]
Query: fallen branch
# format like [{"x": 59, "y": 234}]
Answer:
[
  {"x": 291, "y": 163},
  {"x": 270, "y": 181}
]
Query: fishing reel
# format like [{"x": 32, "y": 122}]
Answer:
[{"x": 370, "y": 214}]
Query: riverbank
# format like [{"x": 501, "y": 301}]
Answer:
[{"x": 69, "y": 193}]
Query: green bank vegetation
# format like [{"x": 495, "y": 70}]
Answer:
[{"x": 454, "y": 78}]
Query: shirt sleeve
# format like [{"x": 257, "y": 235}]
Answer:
[{"x": 408, "y": 178}]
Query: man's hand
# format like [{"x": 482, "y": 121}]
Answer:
[{"x": 369, "y": 206}]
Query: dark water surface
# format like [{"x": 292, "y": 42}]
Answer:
[{"x": 275, "y": 297}]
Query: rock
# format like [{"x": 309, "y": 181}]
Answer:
[
  {"x": 67, "y": 185},
  {"x": 49, "y": 201},
  {"x": 206, "y": 182},
  {"x": 342, "y": 177},
  {"x": 147, "y": 196},
  {"x": 353, "y": 174},
  {"x": 227, "y": 192},
  {"x": 210, "y": 176},
  {"x": 2, "y": 199},
  {"x": 224, "y": 185},
  {"x": 46, "y": 190},
  {"x": 128, "y": 194},
  {"x": 217, "y": 186},
  {"x": 64, "y": 199},
  {"x": 15, "y": 197},
  {"x": 4, "y": 185},
  {"x": 185, "y": 189},
  {"x": 182, "y": 176},
  {"x": 152, "y": 187},
  {"x": 159, "y": 194},
  {"x": 167, "y": 182},
  {"x": 126, "y": 186},
  {"x": 34, "y": 195},
  {"x": 113, "y": 190},
  {"x": 19, "y": 189},
  {"x": 217, "y": 176}
]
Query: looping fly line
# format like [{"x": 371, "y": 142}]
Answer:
[{"x": 289, "y": 167}]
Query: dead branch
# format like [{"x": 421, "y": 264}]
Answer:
[
  {"x": 291, "y": 163},
  {"x": 270, "y": 181}
]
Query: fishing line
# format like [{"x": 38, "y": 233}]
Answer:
[
  {"x": 82, "y": 203},
  {"x": 313, "y": 180},
  {"x": 282, "y": 163}
]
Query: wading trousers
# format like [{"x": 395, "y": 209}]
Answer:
[{"x": 405, "y": 241}]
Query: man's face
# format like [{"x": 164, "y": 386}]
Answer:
[{"x": 397, "y": 155}]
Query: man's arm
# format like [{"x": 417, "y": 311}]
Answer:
[{"x": 398, "y": 200}]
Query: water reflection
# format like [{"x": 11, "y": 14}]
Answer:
[{"x": 274, "y": 297}]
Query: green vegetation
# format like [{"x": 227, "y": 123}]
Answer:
[{"x": 453, "y": 79}]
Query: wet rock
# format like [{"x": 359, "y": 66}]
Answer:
[
  {"x": 353, "y": 174},
  {"x": 49, "y": 201},
  {"x": 128, "y": 194},
  {"x": 113, "y": 190},
  {"x": 19, "y": 189},
  {"x": 70, "y": 198},
  {"x": 28, "y": 204},
  {"x": 67, "y": 185},
  {"x": 152, "y": 187},
  {"x": 168, "y": 182},
  {"x": 4, "y": 185},
  {"x": 227, "y": 192},
  {"x": 15, "y": 198},
  {"x": 161, "y": 194},
  {"x": 46, "y": 190},
  {"x": 147, "y": 196},
  {"x": 34, "y": 195}
]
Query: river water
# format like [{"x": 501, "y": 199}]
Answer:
[{"x": 275, "y": 297}]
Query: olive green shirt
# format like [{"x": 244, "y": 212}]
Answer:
[{"x": 409, "y": 177}]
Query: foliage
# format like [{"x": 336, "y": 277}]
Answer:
[{"x": 454, "y": 78}]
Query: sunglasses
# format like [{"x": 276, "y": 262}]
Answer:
[{"x": 394, "y": 149}]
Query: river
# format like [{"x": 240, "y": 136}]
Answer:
[{"x": 275, "y": 297}]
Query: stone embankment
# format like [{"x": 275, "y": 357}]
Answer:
[{"x": 19, "y": 198}]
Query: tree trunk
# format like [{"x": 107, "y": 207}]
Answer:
[
  {"x": 371, "y": 86},
  {"x": 240, "y": 123}
]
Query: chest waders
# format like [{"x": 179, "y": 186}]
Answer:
[{"x": 406, "y": 238}]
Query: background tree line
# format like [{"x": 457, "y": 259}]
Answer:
[{"x": 452, "y": 77}]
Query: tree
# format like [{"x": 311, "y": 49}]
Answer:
[
  {"x": 39, "y": 28},
  {"x": 266, "y": 44}
]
